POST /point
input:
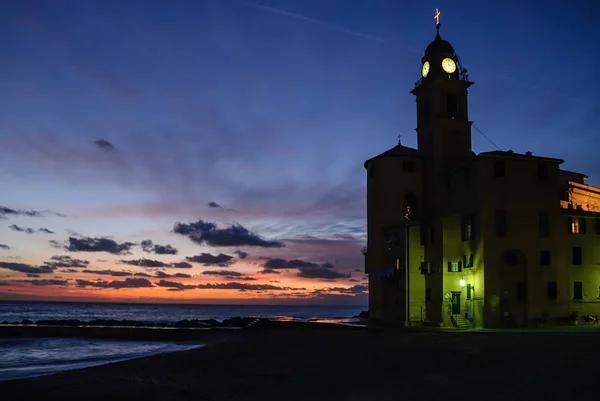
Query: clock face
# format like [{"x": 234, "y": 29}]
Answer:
[
  {"x": 425, "y": 69},
  {"x": 448, "y": 65}
]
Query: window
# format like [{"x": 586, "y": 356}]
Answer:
[
  {"x": 542, "y": 171},
  {"x": 499, "y": 169},
  {"x": 411, "y": 206},
  {"x": 544, "y": 258},
  {"x": 544, "y": 225},
  {"x": 501, "y": 226},
  {"x": 552, "y": 290},
  {"x": 470, "y": 262},
  {"x": 468, "y": 291},
  {"x": 577, "y": 256},
  {"x": 427, "y": 294},
  {"x": 467, "y": 176},
  {"x": 465, "y": 261},
  {"x": 521, "y": 291},
  {"x": 452, "y": 105},
  {"x": 577, "y": 290},
  {"x": 409, "y": 166},
  {"x": 454, "y": 267},
  {"x": 468, "y": 227},
  {"x": 576, "y": 225}
]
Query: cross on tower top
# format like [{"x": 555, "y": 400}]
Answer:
[
  {"x": 437, "y": 17},
  {"x": 399, "y": 138}
]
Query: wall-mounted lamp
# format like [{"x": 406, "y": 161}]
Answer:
[{"x": 462, "y": 282}]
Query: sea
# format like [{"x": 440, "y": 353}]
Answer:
[{"x": 29, "y": 357}]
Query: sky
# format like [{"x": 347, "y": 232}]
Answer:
[{"x": 212, "y": 151}]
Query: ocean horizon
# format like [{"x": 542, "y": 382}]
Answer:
[{"x": 16, "y": 311}]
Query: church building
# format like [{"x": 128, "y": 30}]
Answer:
[{"x": 495, "y": 239}]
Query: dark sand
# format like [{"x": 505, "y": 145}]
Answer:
[{"x": 297, "y": 363}]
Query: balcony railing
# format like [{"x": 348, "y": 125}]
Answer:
[{"x": 463, "y": 75}]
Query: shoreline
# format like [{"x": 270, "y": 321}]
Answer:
[{"x": 324, "y": 362}]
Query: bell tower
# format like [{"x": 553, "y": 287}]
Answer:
[{"x": 443, "y": 126}]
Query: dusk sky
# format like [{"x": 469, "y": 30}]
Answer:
[{"x": 212, "y": 150}]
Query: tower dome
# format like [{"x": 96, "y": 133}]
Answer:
[{"x": 439, "y": 47}]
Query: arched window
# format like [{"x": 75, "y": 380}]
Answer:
[{"x": 411, "y": 205}]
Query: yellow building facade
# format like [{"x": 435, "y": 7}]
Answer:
[{"x": 498, "y": 239}]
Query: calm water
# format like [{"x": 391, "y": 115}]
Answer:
[
  {"x": 26, "y": 357},
  {"x": 164, "y": 313}
]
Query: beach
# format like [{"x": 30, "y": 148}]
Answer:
[{"x": 314, "y": 362}]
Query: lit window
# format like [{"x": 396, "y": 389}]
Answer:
[{"x": 575, "y": 226}]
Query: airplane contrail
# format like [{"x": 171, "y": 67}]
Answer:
[{"x": 317, "y": 22}]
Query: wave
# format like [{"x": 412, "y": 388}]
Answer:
[{"x": 23, "y": 358}]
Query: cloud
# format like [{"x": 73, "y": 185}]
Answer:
[
  {"x": 207, "y": 259},
  {"x": 88, "y": 244},
  {"x": 278, "y": 263},
  {"x": 150, "y": 247},
  {"x": 175, "y": 285},
  {"x": 57, "y": 261},
  {"x": 225, "y": 273},
  {"x": 161, "y": 274},
  {"x": 247, "y": 287},
  {"x": 21, "y": 229},
  {"x": 181, "y": 265},
  {"x": 150, "y": 263},
  {"x": 5, "y": 211},
  {"x": 116, "y": 284},
  {"x": 25, "y": 268},
  {"x": 354, "y": 290},
  {"x": 33, "y": 275},
  {"x": 69, "y": 271},
  {"x": 141, "y": 275},
  {"x": 4, "y": 247},
  {"x": 214, "y": 205},
  {"x": 114, "y": 273},
  {"x": 105, "y": 145},
  {"x": 56, "y": 244},
  {"x": 204, "y": 232},
  {"x": 29, "y": 230},
  {"x": 47, "y": 282},
  {"x": 269, "y": 271},
  {"x": 241, "y": 254},
  {"x": 320, "y": 273}
]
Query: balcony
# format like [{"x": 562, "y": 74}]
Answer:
[{"x": 463, "y": 75}]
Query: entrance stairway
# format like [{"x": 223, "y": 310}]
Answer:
[{"x": 460, "y": 322}]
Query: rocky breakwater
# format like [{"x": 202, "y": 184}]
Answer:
[{"x": 183, "y": 330}]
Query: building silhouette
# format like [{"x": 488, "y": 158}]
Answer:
[{"x": 495, "y": 239}]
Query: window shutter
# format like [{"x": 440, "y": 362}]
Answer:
[
  {"x": 449, "y": 266},
  {"x": 460, "y": 266}
]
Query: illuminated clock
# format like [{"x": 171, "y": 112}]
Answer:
[
  {"x": 448, "y": 65},
  {"x": 425, "y": 69}
]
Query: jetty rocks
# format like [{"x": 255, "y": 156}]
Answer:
[{"x": 192, "y": 323}]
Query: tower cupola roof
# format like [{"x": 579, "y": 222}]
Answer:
[{"x": 439, "y": 47}]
